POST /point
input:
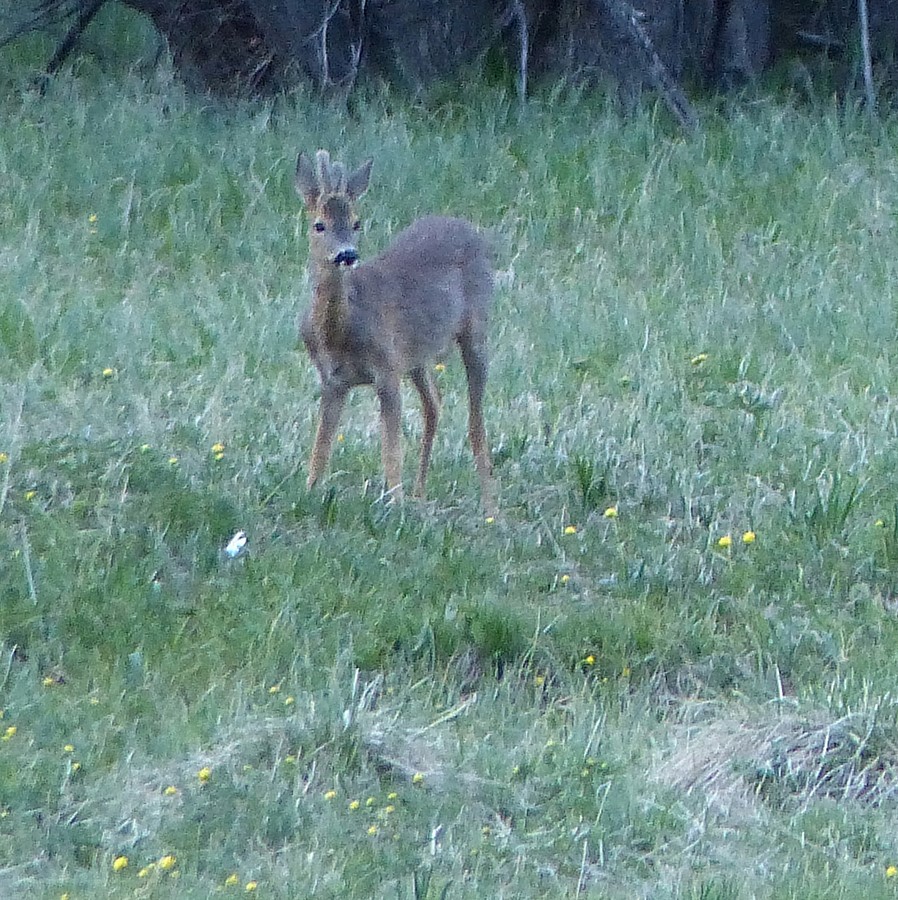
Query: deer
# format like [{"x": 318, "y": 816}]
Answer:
[{"x": 393, "y": 316}]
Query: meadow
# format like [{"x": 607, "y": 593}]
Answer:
[{"x": 666, "y": 669}]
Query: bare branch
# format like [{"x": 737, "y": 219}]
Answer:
[
  {"x": 653, "y": 67},
  {"x": 516, "y": 16},
  {"x": 864, "y": 23}
]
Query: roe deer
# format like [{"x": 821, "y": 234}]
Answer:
[{"x": 395, "y": 315}]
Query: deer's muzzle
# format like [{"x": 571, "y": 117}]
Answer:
[{"x": 347, "y": 257}]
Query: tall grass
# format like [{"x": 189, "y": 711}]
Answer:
[{"x": 667, "y": 669}]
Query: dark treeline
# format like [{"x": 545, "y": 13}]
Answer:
[{"x": 251, "y": 46}]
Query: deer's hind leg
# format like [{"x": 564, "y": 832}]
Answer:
[
  {"x": 474, "y": 356},
  {"x": 390, "y": 400},
  {"x": 424, "y": 383}
]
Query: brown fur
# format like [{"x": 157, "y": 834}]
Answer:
[{"x": 391, "y": 317}]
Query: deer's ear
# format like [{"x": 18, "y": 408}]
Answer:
[
  {"x": 306, "y": 181},
  {"x": 357, "y": 183}
]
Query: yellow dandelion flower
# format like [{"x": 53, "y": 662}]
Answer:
[
  {"x": 389, "y": 809},
  {"x": 489, "y": 520},
  {"x": 274, "y": 689},
  {"x": 725, "y": 542},
  {"x": 108, "y": 372},
  {"x": 204, "y": 774},
  {"x": 76, "y": 766},
  {"x": 589, "y": 661},
  {"x": 170, "y": 791},
  {"x": 289, "y": 701},
  {"x": 92, "y": 218},
  {"x": 879, "y": 523},
  {"x": 699, "y": 359},
  {"x": 231, "y": 880},
  {"x": 119, "y": 863},
  {"x": 439, "y": 367},
  {"x": 749, "y": 537},
  {"x": 289, "y": 758},
  {"x": 144, "y": 872},
  {"x": 539, "y": 680},
  {"x": 370, "y": 802},
  {"x": 565, "y": 578},
  {"x": 372, "y": 830},
  {"x": 251, "y": 886},
  {"x": 392, "y": 795},
  {"x": 30, "y": 495},
  {"x": 354, "y": 805},
  {"x": 218, "y": 447},
  {"x": 625, "y": 672},
  {"x": 891, "y": 871},
  {"x": 4, "y": 458},
  {"x": 610, "y": 512},
  {"x": 69, "y": 748},
  {"x": 10, "y": 733},
  {"x": 173, "y": 460},
  {"x": 340, "y": 438},
  {"x": 167, "y": 862},
  {"x": 418, "y": 778},
  {"x": 218, "y": 457},
  {"x": 330, "y": 795},
  {"x": 145, "y": 448},
  {"x": 49, "y": 681},
  {"x": 570, "y": 529},
  {"x": 64, "y": 897}
]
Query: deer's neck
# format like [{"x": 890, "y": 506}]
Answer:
[{"x": 330, "y": 302}]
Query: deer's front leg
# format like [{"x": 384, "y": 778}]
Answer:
[
  {"x": 391, "y": 439},
  {"x": 333, "y": 398}
]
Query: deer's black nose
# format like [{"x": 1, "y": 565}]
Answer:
[{"x": 347, "y": 257}]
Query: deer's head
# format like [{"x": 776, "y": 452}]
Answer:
[{"x": 330, "y": 196}]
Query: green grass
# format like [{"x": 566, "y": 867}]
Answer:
[{"x": 695, "y": 332}]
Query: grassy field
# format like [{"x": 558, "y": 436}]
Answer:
[{"x": 667, "y": 669}]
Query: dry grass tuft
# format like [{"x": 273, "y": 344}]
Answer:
[
  {"x": 401, "y": 750},
  {"x": 784, "y": 759}
]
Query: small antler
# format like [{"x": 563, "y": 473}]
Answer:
[
  {"x": 325, "y": 178},
  {"x": 338, "y": 178},
  {"x": 331, "y": 175},
  {"x": 323, "y": 169}
]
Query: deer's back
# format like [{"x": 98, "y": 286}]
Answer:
[{"x": 432, "y": 283}]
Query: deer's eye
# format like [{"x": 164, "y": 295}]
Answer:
[
  {"x": 356, "y": 225},
  {"x": 319, "y": 226}
]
